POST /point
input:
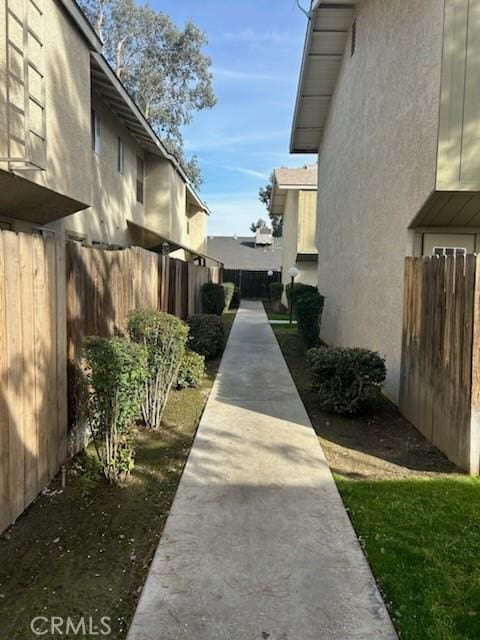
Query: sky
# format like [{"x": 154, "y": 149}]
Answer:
[{"x": 256, "y": 48}]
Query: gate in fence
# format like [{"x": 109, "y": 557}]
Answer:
[{"x": 253, "y": 284}]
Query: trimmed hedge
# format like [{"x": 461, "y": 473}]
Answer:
[
  {"x": 192, "y": 370},
  {"x": 276, "y": 290},
  {"x": 298, "y": 289},
  {"x": 213, "y": 298},
  {"x": 228, "y": 289},
  {"x": 308, "y": 311},
  {"x": 207, "y": 335},
  {"x": 236, "y": 298},
  {"x": 345, "y": 379}
]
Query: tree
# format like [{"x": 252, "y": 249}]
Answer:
[
  {"x": 265, "y": 197},
  {"x": 260, "y": 224},
  {"x": 162, "y": 66}
]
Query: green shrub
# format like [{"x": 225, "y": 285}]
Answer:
[
  {"x": 207, "y": 335},
  {"x": 345, "y": 379},
  {"x": 164, "y": 337},
  {"x": 276, "y": 291},
  {"x": 308, "y": 311},
  {"x": 116, "y": 370},
  {"x": 213, "y": 298},
  {"x": 236, "y": 298},
  {"x": 192, "y": 370},
  {"x": 298, "y": 289},
  {"x": 228, "y": 290}
]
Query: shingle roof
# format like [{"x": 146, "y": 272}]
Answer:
[
  {"x": 241, "y": 253},
  {"x": 304, "y": 176}
]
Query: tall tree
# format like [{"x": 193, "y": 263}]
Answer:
[
  {"x": 164, "y": 67},
  {"x": 265, "y": 197}
]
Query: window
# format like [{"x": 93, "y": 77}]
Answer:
[
  {"x": 81, "y": 238},
  {"x": 449, "y": 251},
  {"x": 188, "y": 227},
  {"x": 354, "y": 37},
  {"x": 95, "y": 122},
  {"x": 140, "y": 177},
  {"x": 120, "y": 156},
  {"x": 44, "y": 232}
]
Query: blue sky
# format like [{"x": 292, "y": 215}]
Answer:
[{"x": 256, "y": 48}]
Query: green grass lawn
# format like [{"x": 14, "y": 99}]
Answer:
[
  {"x": 420, "y": 531},
  {"x": 422, "y": 539},
  {"x": 86, "y": 551}
]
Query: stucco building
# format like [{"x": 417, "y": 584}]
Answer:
[
  {"x": 389, "y": 99},
  {"x": 294, "y": 197},
  {"x": 77, "y": 156}
]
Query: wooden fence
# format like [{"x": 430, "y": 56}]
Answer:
[
  {"x": 33, "y": 391},
  {"x": 440, "y": 378},
  {"x": 52, "y": 295},
  {"x": 253, "y": 284}
]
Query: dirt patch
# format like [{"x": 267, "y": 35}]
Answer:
[{"x": 380, "y": 445}]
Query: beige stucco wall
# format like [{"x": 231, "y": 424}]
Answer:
[
  {"x": 307, "y": 221},
  {"x": 66, "y": 64},
  {"x": 377, "y": 166},
  {"x": 113, "y": 194}
]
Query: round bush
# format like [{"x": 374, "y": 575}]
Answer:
[
  {"x": 116, "y": 370},
  {"x": 164, "y": 337},
  {"x": 345, "y": 379},
  {"x": 213, "y": 298},
  {"x": 192, "y": 370},
  {"x": 228, "y": 289},
  {"x": 276, "y": 290},
  {"x": 308, "y": 311},
  {"x": 207, "y": 335}
]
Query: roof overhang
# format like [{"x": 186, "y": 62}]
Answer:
[
  {"x": 328, "y": 30},
  {"x": 193, "y": 198},
  {"x": 153, "y": 241},
  {"x": 83, "y": 25},
  {"x": 115, "y": 95},
  {"x": 279, "y": 195}
]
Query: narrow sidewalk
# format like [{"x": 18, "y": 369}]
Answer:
[{"x": 258, "y": 544}]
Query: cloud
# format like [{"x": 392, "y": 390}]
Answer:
[
  {"x": 237, "y": 74},
  {"x": 247, "y": 172}
]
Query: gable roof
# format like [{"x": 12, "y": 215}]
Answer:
[
  {"x": 327, "y": 35},
  {"x": 284, "y": 179},
  {"x": 241, "y": 253}
]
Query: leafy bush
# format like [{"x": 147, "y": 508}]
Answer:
[
  {"x": 228, "y": 290},
  {"x": 116, "y": 370},
  {"x": 276, "y": 290},
  {"x": 164, "y": 337},
  {"x": 213, "y": 298},
  {"x": 298, "y": 289},
  {"x": 308, "y": 310},
  {"x": 207, "y": 335},
  {"x": 345, "y": 379},
  {"x": 236, "y": 298},
  {"x": 192, "y": 370}
]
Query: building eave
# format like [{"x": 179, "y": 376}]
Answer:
[
  {"x": 327, "y": 35},
  {"x": 82, "y": 24}
]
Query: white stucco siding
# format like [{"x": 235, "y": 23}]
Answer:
[{"x": 377, "y": 166}]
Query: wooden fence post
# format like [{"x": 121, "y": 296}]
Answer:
[{"x": 474, "y": 454}]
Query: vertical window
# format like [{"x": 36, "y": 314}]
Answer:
[
  {"x": 140, "y": 178},
  {"x": 95, "y": 131},
  {"x": 354, "y": 36},
  {"x": 120, "y": 156}
]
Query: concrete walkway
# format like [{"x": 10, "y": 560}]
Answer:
[{"x": 258, "y": 544}]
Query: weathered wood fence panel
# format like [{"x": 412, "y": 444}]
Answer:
[
  {"x": 33, "y": 369},
  {"x": 439, "y": 378},
  {"x": 53, "y": 295},
  {"x": 253, "y": 284}
]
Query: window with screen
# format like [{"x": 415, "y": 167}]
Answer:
[
  {"x": 140, "y": 179},
  {"x": 120, "y": 156},
  {"x": 449, "y": 251}
]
